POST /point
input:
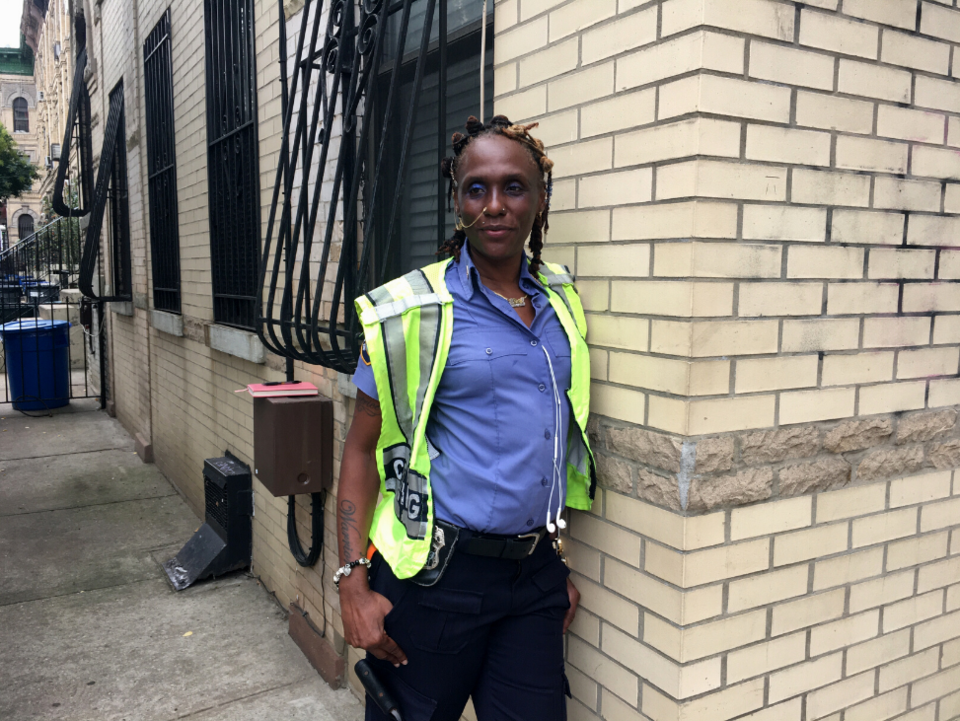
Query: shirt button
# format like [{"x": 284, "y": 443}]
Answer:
[
  {"x": 542, "y": 387},
  {"x": 533, "y": 343},
  {"x": 543, "y": 482},
  {"x": 546, "y": 433},
  {"x": 529, "y": 521},
  {"x": 489, "y": 351}
]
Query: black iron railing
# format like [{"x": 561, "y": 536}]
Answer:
[
  {"x": 38, "y": 280},
  {"x": 74, "y": 181},
  {"x": 112, "y": 155},
  {"x": 341, "y": 110}
]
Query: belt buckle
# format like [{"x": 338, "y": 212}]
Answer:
[{"x": 535, "y": 536}]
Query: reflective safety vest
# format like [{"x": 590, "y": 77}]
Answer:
[{"x": 408, "y": 325}]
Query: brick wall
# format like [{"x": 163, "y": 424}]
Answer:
[
  {"x": 177, "y": 392},
  {"x": 756, "y": 199}
]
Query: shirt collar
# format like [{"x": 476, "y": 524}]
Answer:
[{"x": 468, "y": 272}]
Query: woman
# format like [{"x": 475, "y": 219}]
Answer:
[{"x": 471, "y": 420}]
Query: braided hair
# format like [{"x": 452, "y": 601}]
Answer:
[{"x": 499, "y": 125}]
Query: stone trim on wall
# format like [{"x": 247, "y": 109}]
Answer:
[{"x": 699, "y": 475}]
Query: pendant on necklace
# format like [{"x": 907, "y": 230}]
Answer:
[{"x": 514, "y": 302}]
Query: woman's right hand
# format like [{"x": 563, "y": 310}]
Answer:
[{"x": 362, "y": 612}]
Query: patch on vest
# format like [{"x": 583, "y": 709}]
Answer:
[{"x": 411, "y": 498}]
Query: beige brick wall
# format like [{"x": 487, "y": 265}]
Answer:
[
  {"x": 780, "y": 140},
  {"x": 845, "y": 599},
  {"x": 176, "y": 391},
  {"x": 756, "y": 199}
]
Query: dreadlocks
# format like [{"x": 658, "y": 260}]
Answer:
[{"x": 499, "y": 125}]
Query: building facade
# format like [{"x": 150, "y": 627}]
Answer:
[
  {"x": 760, "y": 201},
  {"x": 19, "y": 115},
  {"x": 51, "y": 37}
]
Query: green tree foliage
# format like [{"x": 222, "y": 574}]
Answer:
[{"x": 17, "y": 173}]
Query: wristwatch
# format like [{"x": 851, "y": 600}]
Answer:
[{"x": 347, "y": 569}]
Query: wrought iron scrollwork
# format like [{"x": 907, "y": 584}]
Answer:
[
  {"x": 78, "y": 126},
  {"x": 113, "y": 138},
  {"x": 311, "y": 272}
]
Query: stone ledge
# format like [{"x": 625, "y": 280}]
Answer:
[
  {"x": 143, "y": 447},
  {"x": 169, "y": 323},
  {"x": 122, "y": 307},
  {"x": 233, "y": 341}
]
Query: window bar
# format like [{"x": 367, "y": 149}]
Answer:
[
  {"x": 442, "y": 125},
  {"x": 283, "y": 174},
  {"x": 335, "y": 71},
  {"x": 77, "y": 125},
  {"x": 306, "y": 67},
  {"x": 161, "y": 168},
  {"x": 233, "y": 160},
  {"x": 376, "y": 29},
  {"x": 408, "y": 133},
  {"x": 91, "y": 245}
]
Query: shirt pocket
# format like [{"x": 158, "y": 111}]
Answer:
[
  {"x": 556, "y": 339},
  {"x": 480, "y": 347},
  {"x": 475, "y": 362}
]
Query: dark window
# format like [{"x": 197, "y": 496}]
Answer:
[
  {"x": 21, "y": 116},
  {"x": 418, "y": 233},
  {"x": 119, "y": 210},
  {"x": 232, "y": 165},
  {"x": 25, "y": 226},
  {"x": 162, "y": 168}
]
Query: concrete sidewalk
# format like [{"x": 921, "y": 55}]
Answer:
[{"x": 91, "y": 630}]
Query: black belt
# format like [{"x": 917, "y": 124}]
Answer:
[{"x": 494, "y": 545}]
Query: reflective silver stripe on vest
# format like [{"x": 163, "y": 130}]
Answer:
[
  {"x": 556, "y": 281},
  {"x": 399, "y": 307},
  {"x": 410, "y": 488}
]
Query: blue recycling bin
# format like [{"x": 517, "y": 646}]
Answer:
[{"x": 37, "y": 354}]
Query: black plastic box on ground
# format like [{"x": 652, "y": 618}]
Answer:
[
  {"x": 225, "y": 542},
  {"x": 293, "y": 444}
]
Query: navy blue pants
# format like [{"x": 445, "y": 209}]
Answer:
[{"x": 490, "y": 628}]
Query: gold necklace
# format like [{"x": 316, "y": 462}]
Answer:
[{"x": 514, "y": 302}]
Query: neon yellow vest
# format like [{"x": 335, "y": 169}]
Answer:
[{"x": 408, "y": 325}]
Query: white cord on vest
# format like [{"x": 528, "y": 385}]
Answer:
[{"x": 556, "y": 482}]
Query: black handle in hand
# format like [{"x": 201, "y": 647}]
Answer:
[{"x": 376, "y": 690}]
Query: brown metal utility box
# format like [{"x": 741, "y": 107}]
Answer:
[{"x": 293, "y": 444}]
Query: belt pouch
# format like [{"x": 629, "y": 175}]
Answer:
[{"x": 445, "y": 537}]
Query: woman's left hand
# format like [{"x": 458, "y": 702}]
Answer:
[{"x": 574, "y": 595}]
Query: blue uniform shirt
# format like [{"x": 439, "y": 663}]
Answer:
[{"x": 494, "y": 416}]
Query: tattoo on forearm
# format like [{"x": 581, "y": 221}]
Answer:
[
  {"x": 367, "y": 406},
  {"x": 348, "y": 527}
]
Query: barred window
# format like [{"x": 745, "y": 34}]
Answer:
[
  {"x": 232, "y": 163},
  {"x": 162, "y": 168},
  {"x": 421, "y": 226},
  {"x": 119, "y": 209},
  {"x": 25, "y": 226},
  {"x": 21, "y": 116}
]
